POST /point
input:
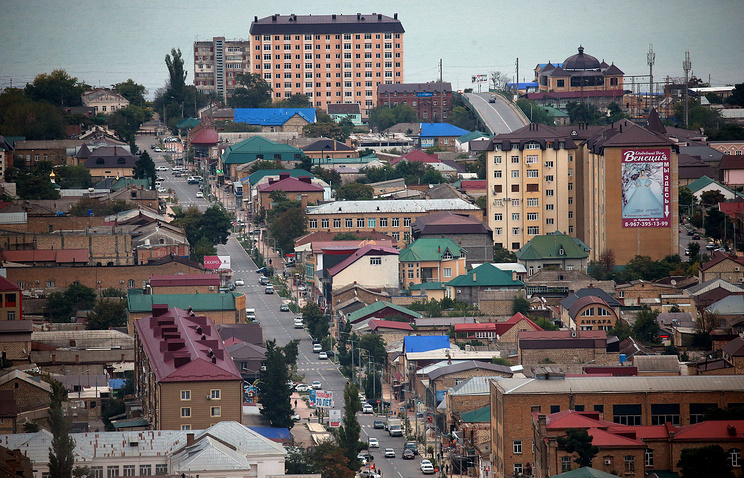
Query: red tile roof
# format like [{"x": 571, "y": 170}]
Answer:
[
  {"x": 375, "y": 324},
  {"x": 499, "y": 327},
  {"x": 713, "y": 430},
  {"x": 364, "y": 251},
  {"x": 730, "y": 161},
  {"x": 6, "y": 285},
  {"x": 731, "y": 208},
  {"x": 206, "y": 136},
  {"x": 418, "y": 156},
  {"x": 184, "y": 348},
  {"x": 175, "y": 280},
  {"x": 717, "y": 257},
  {"x": 474, "y": 184}
]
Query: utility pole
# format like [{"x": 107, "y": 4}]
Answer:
[
  {"x": 651, "y": 59},
  {"x": 517, "y": 82},
  {"x": 440, "y": 70},
  {"x": 687, "y": 66}
]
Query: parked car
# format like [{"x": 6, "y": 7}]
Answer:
[
  {"x": 284, "y": 308},
  {"x": 364, "y": 454},
  {"x": 317, "y": 348},
  {"x": 269, "y": 289},
  {"x": 264, "y": 280},
  {"x": 373, "y": 443},
  {"x": 317, "y": 385},
  {"x": 295, "y": 418},
  {"x": 162, "y": 189},
  {"x": 302, "y": 387},
  {"x": 239, "y": 282},
  {"x": 230, "y": 286},
  {"x": 367, "y": 408},
  {"x": 408, "y": 455},
  {"x": 411, "y": 445},
  {"x": 427, "y": 468},
  {"x": 322, "y": 356},
  {"x": 261, "y": 270},
  {"x": 711, "y": 246},
  {"x": 696, "y": 237},
  {"x": 199, "y": 194},
  {"x": 389, "y": 452},
  {"x": 379, "y": 424}
]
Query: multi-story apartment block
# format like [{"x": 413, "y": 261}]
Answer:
[
  {"x": 431, "y": 101},
  {"x": 188, "y": 380},
  {"x": 531, "y": 191},
  {"x": 329, "y": 58},
  {"x": 218, "y": 62}
]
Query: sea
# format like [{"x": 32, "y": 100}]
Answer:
[{"x": 103, "y": 42}]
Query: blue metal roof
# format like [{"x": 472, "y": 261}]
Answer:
[
  {"x": 271, "y": 116},
  {"x": 424, "y": 343},
  {"x": 429, "y": 130},
  {"x": 524, "y": 85},
  {"x": 273, "y": 433}
]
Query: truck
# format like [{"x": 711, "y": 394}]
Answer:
[{"x": 395, "y": 427}]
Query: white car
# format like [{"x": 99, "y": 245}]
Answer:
[
  {"x": 239, "y": 282},
  {"x": 317, "y": 348},
  {"x": 161, "y": 168},
  {"x": 317, "y": 385},
  {"x": 162, "y": 189},
  {"x": 199, "y": 194},
  {"x": 426, "y": 467},
  {"x": 295, "y": 418},
  {"x": 322, "y": 356},
  {"x": 389, "y": 452},
  {"x": 367, "y": 408},
  {"x": 158, "y": 149},
  {"x": 373, "y": 443},
  {"x": 302, "y": 387}
]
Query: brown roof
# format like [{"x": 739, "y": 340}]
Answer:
[
  {"x": 343, "y": 108},
  {"x": 323, "y": 236},
  {"x": 325, "y": 24},
  {"x": 8, "y": 407},
  {"x": 410, "y": 88},
  {"x": 729, "y": 161},
  {"x": 448, "y": 222},
  {"x": 735, "y": 348},
  {"x": 625, "y": 133},
  {"x": 583, "y": 302},
  {"x": 719, "y": 257},
  {"x": 174, "y": 280},
  {"x": 562, "y": 339}
]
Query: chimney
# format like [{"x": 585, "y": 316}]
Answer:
[
  {"x": 304, "y": 201},
  {"x": 159, "y": 309},
  {"x": 189, "y": 439},
  {"x": 395, "y": 16},
  {"x": 473, "y": 276},
  {"x": 283, "y": 176},
  {"x": 306, "y": 179}
]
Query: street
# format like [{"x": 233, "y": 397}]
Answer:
[{"x": 499, "y": 116}]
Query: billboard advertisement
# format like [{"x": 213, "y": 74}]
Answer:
[
  {"x": 321, "y": 399},
  {"x": 217, "y": 262},
  {"x": 334, "y": 418},
  {"x": 646, "y": 188}
]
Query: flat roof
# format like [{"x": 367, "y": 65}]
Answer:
[{"x": 677, "y": 384}]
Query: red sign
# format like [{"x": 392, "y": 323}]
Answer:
[{"x": 216, "y": 262}]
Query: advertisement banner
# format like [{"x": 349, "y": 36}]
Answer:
[
  {"x": 217, "y": 262},
  {"x": 321, "y": 399},
  {"x": 646, "y": 187},
  {"x": 334, "y": 418}
]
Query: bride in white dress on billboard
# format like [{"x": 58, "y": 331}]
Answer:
[{"x": 643, "y": 202}]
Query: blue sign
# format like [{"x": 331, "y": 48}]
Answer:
[{"x": 426, "y": 93}]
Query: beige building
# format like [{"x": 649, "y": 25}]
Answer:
[
  {"x": 189, "y": 381},
  {"x": 531, "y": 183},
  {"x": 329, "y": 58},
  {"x": 217, "y": 64},
  {"x": 104, "y": 101}
]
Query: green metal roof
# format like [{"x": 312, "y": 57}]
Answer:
[
  {"x": 585, "y": 472},
  {"x": 550, "y": 246},
  {"x": 481, "y": 415},
  {"x": 376, "y": 307},
  {"x": 429, "y": 249},
  {"x": 123, "y": 183},
  {"x": 471, "y": 136},
  {"x": 428, "y": 286},
  {"x": 700, "y": 183},
  {"x": 555, "y": 112},
  {"x": 249, "y": 149},
  {"x": 262, "y": 173},
  {"x": 485, "y": 275},
  {"x": 198, "y": 302},
  {"x": 188, "y": 123}
]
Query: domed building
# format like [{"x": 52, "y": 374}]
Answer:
[{"x": 580, "y": 77}]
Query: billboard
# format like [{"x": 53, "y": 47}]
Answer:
[
  {"x": 321, "y": 399},
  {"x": 334, "y": 418},
  {"x": 646, "y": 189},
  {"x": 217, "y": 262}
]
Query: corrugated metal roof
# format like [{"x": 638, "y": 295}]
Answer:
[
  {"x": 677, "y": 384},
  {"x": 401, "y": 206},
  {"x": 474, "y": 386}
]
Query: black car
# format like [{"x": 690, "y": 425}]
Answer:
[
  {"x": 379, "y": 424},
  {"x": 230, "y": 286},
  {"x": 410, "y": 445},
  {"x": 261, "y": 270}
]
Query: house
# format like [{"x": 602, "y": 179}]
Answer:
[
  {"x": 643, "y": 401},
  {"x": 370, "y": 266},
  {"x": 110, "y": 162},
  {"x": 382, "y": 310},
  {"x": 439, "y": 380},
  {"x": 104, "y": 101},
  {"x": 723, "y": 266},
  {"x": 15, "y": 340},
  {"x": 600, "y": 298},
  {"x": 222, "y": 308},
  {"x": 224, "y": 449},
  {"x": 184, "y": 360},
  {"x": 390, "y": 330},
  {"x": 159, "y": 240},
  {"x": 248, "y": 358},
  {"x": 272, "y": 120},
  {"x": 431, "y": 101},
  {"x": 184, "y": 284},
  {"x": 256, "y": 148},
  {"x": 30, "y": 394},
  {"x": 705, "y": 184},
  {"x": 14, "y": 463},
  {"x": 324, "y": 150},
  {"x": 428, "y": 290},
  {"x": 299, "y": 189},
  {"x": 691, "y": 169},
  {"x": 486, "y": 277},
  {"x": 560, "y": 284},
  {"x": 555, "y": 250},
  {"x": 466, "y": 397},
  {"x": 462, "y": 144},
  {"x": 11, "y": 300},
  {"x": 730, "y": 312},
  {"x": 656, "y": 365},
  {"x": 502, "y": 332},
  {"x": 567, "y": 346},
  {"x": 417, "y": 156},
  {"x": 443, "y": 135},
  {"x": 730, "y": 361},
  {"x": 205, "y": 142},
  {"x": 339, "y": 111},
  {"x": 431, "y": 260}
]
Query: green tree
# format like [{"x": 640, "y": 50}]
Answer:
[
  {"x": 33, "y": 183},
  {"x": 581, "y": 112},
  {"x": 381, "y": 118},
  {"x": 331, "y": 461},
  {"x": 69, "y": 177},
  {"x": 349, "y": 432},
  {"x": 375, "y": 346},
  {"x": 535, "y": 112},
  {"x": 712, "y": 198},
  {"x": 61, "y": 457},
  {"x": 176, "y": 76},
  {"x": 616, "y": 113},
  {"x": 501, "y": 254},
  {"x": 520, "y": 305},
  {"x": 144, "y": 167},
  {"x": 132, "y": 91},
  {"x": 462, "y": 117},
  {"x": 727, "y": 132},
  {"x": 107, "y": 314},
  {"x": 262, "y": 164},
  {"x": 254, "y": 92},
  {"x": 57, "y": 88},
  {"x": 62, "y": 305},
  {"x": 705, "y": 462},
  {"x": 645, "y": 327},
  {"x": 297, "y": 100},
  {"x": 296, "y": 461},
  {"x": 545, "y": 324},
  {"x": 331, "y": 176},
  {"x": 699, "y": 116},
  {"x": 353, "y": 191},
  {"x": 31, "y": 427},
  {"x": 274, "y": 391},
  {"x": 291, "y": 351},
  {"x": 32, "y": 120},
  {"x": 127, "y": 121},
  {"x": 737, "y": 96},
  {"x": 287, "y": 227},
  {"x": 98, "y": 207},
  {"x": 580, "y": 442},
  {"x": 323, "y": 130},
  {"x": 621, "y": 330},
  {"x": 317, "y": 324},
  {"x": 686, "y": 200},
  {"x": 500, "y": 361}
]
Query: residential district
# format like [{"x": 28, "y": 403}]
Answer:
[{"x": 303, "y": 265}]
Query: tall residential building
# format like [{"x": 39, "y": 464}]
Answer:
[
  {"x": 531, "y": 191},
  {"x": 329, "y": 58},
  {"x": 217, "y": 63}
]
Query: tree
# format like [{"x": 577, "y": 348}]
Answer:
[
  {"x": 203, "y": 230},
  {"x": 645, "y": 327},
  {"x": 500, "y": 361},
  {"x": 61, "y": 457},
  {"x": 176, "y": 76},
  {"x": 262, "y": 164},
  {"x": 33, "y": 120},
  {"x": 501, "y": 254},
  {"x": 381, "y": 118},
  {"x": 737, "y": 96},
  {"x": 62, "y": 305},
  {"x": 353, "y": 191},
  {"x": 694, "y": 249},
  {"x": 615, "y": 113},
  {"x": 331, "y": 460},
  {"x": 349, "y": 431},
  {"x": 98, "y": 207},
  {"x": 545, "y": 324},
  {"x": 323, "y": 130},
  {"x": 144, "y": 167},
  {"x": 712, "y": 198},
  {"x": 581, "y": 112},
  {"x": 727, "y": 132},
  {"x": 621, "y": 330},
  {"x": 297, "y": 100},
  {"x": 274, "y": 391},
  {"x": 686, "y": 200},
  {"x": 699, "y": 116},
  {"x": 57, "y": 88},
  {"x": 316, "y": 322},
  {"x": 520, "y": 305},
  {"x": 603, "y": 268},
  {"x": 254, "y": 92},
  {"x": 535, "y": 112},
  {"x": 33, "y": 183},
  {"x": 73, "y": 177},
  {"x": 580, "y": 442},
  {"x": 127, "y": 121},
  {"x": 296, "y": 461},
  {"x": 31, "y": 427},
  {"x": 375, "y": 346},
  {"x": 463, "y": 117},
  {"x": 498, "y": 81},
  {"x": 107, "y": 314},
  {"x": 705, "y": 462},
  {"x": 288, "y": 227},
  {"x": 132, "y": 91}
]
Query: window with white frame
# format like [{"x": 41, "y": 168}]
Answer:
[
  {"x": 497, "y": 160},
  {"x": 348, "y": 223},
  {"x": 406, "y": 222},
  {"x": 734, "y": 457},
  {"x": 447, "y": 272},
  {"x": 337, "y": 223},
  {"x": 371, "y": 222},
  {"x": 649, "y": 457},
  {"x": 312, "y": 224},
  {"x": 325, "y": 223},
  {"x": 515, "y": 202},
  {"x": 531, "y": 159},
  {"x": 497, "y": 174},
  {"x": 375, "y": 261},
  {"x": 161, "y": 469},
  {"x": 515, "y": 173},
  {"x": 97, "y": 471},
  {"x": 185, "y": 427},
  {"x": 395, "y": 222},
  {"x": 499, "y": 231},
  {"x": 186, "y": 412},
  {"x": 549, "y": 221},
  {"x": 128, "y": 470},
  {"x": 533, "y": 230},
  {"x": 518, "y": 469},
  {"x": 185, "y": 394},
  {"x": 517, "y": 447},
  {"x": 532, "y": 146},
  {"x": 515, "y": 231},
  {"x": 515, "y": 216},
  {"x": 215, "y": 394},
  {"x": 565, "y": 464},
  {"x": 515, "y": 159},
  {"x": 548, "y": 164},
  {"x": 383, "y": 222},
  {"x": 532, "y": 216},
  {"x": 629, "y": 464},
  {"x": 533, "y": 173},
  {"x": 360, "y": 222},
  {"x": 498, "y": 216},
  {"x": 533, "y": 202},
  {"x": 112, "y": 471},
  {"x": 549, "y": 192}
]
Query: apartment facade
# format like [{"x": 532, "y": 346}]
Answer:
[
  {"x": 329, "y": 58},
  {"x": 531, "y": 183},
  {"x": 217, "y": 64},
  {"x": 431, "y": 101}
]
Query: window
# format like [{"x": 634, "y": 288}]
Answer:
[
  {"x": 215, "y": 411},
  {"x": 375, "y": 261},
  {"x": 497, "y": 160},
  {"x": 661, "y": 413},
  {"x": 517, "y": 447},
  {"x": 112, "y": 471},
  {"x": 348, "y": 223},
  {"x": 313, "y": 224},
  {"x": 499, "y": 231},
  {"x": 626, "y": 414},
  {"x": 533, "y": 202},
  {"x": 549, "y": 192},
  {"x": 533, "y": 216},
  {"x": 406, "y": 222},
  {"x": 97, "y": 472},
  {"x": 185, "y": 412},
  {"x": 371, "y": 222},
  {"x": 498, "y": 217},
  {"x": 734, "y": 457},
  {"x": 128, "y": 470},
  {"x": 185, "y": 427},
  {"x": 549, "y": 207},
  {"x": 698, "y": 410},
  {"x": 565, "y": 464},
  {"x": 515, "y": 188},
  {"x": 548, "y": 164},
  {"x": 531, "y": 159},
  {"x": 215, "y": 394},
  {"x": 161, "y": 469},
  {"x": 515, "y": 173},
  {"x": 629, "y": 464},
  {"x": 555, "y": 408},
  {"x": 533, "y": 173},
  {"x": 185, "y": 394},
  {"x": 360, "y": 222},
  {"x": 570, "y": 171},
  {"x": 649, "y": 457},
  {"x": 518, "y": 469},
  {"x": 410, "y": 273},
  {"x": 570, "y": 186},
  {"x": 383, "y": 222},
  {"x": 337, "y": 223},
  {"x": 497, "y": 174},
  {"x": 325, "y": 223},
  {"x": 447, "y": 272},
  {"x": 395, "y": 222},
  {"x": 130, "y": 284},
  {"x": 515, "y": 159},
  {"x": 407, "y": 236},
  {"x": 588, "y": 312},
  {"x": 515, "y": 231}
]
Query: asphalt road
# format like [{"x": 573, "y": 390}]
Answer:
[{"x": 499, "y": 116}]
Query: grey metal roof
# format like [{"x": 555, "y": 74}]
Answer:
[
  {"x": 731, "y": 305},
  {"x": 656, "y": 363},
  {"x": 325, "y": 24},
  {"x": 677, "y": 384},
  {"x": 469, "y": 365},
  {"x": 710, "y": 285},
  {"x": 392, "y": 207},
  {"x": 474, "y": 386}
]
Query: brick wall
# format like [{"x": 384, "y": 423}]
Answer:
[
  {"x": 568, "y": 355},
  {"x": 497, "y": 302},
  {"x": 103, "y": 248},
  {"x": 18, "y": 350},
  {"x": 45, "y": 224},
  {"x": 27, "y": 396}
]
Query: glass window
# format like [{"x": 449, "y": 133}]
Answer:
[
  {"x": 649, "y": 457},
  {"x": 185, "y": 427},
  {"x": 447, "y": 272},
  {"x": 406, "y": 222},
  {"x": 348, "y": 223},
  {"x": 627, "y": 414},
  {"x": 533, "y": 230},
  {"x": 360, "y": 222},
  {"x": 375, "y": 261},
  {"x": 112, "y": 471},
  {"x": 661, "y": 413},
  {"x": 215, "y": 394},
  {"x": 97, "y": 471},
  {"x": 186, "y": 412},
  {"x": 128, "y": 470},
  {"x": 395, "y": 222},
  {"x": 313, "y": 224},
  {"x": 533, "y": 216},
  {"x": 325, "y": 223},
  {"x": 734, "y": 457},
  {"x": 383, "y": 222},
  {"x": 161, "y": 469},
  {"x": 518, "y": 469},
  {"x": 517, "y": 447},
  {"x": 371, "y": 222},
  {"x": 337, "y": 223},
  {"x": 185, "y": 394},
  {"x": 515, "y": 173},
  {"x": 629, "y": 464},
  {"x": 215, "y": 411},
  {"x": 565, "y": 464}
]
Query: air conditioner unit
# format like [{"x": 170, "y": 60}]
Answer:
[
  {"x": 608, "y": 462},
  {"x": 211, "y": 287},
  {"x": 459, "y": 291},
  {"x": 573, "y": 333},
  {"x": 209, "y": 397},
  {"x": 263, "y": 368},
  {"x": 121, "y": 281}
]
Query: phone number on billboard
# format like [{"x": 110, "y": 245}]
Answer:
[{"x": 647, "y": 223}]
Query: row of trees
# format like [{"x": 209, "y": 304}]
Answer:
[{"x": 110, "y": 310}]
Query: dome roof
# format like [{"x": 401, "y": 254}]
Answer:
[{"x": 581, "y": 61}]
